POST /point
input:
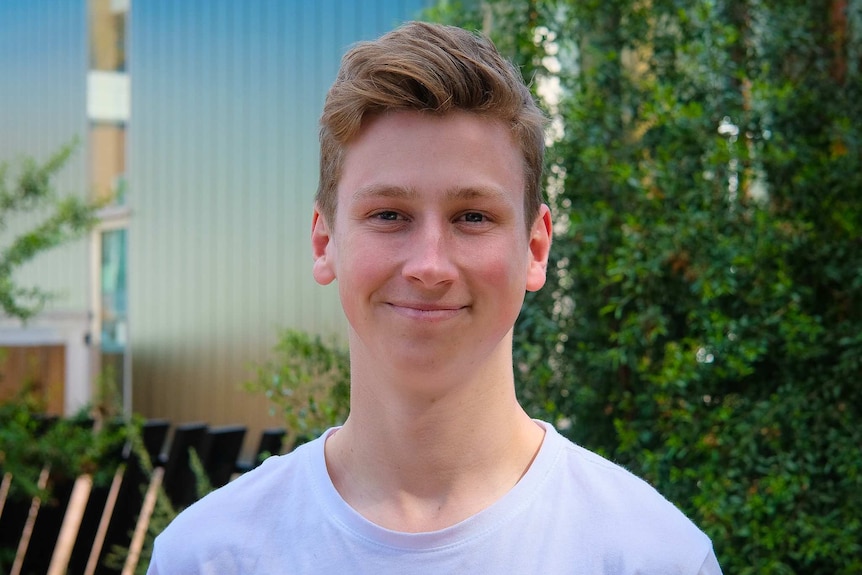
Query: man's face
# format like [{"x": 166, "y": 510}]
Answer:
[{"x": 429, "y": 245}]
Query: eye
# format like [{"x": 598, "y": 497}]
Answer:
[
  {"x": 387, "y": 215},
  {"x": 474, "y": 217}
]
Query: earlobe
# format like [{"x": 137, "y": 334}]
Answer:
[
  {"x": 322, "y": 249},
  {"x": 541, "y": 235}
]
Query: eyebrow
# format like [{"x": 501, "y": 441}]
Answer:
[
  {"x": 383, "y": 192},
  {"x": 469, "y": 193}
]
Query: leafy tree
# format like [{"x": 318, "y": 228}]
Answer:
[
  {"x": 66, "y": 218},
  {"x": 702, "y": 319}
]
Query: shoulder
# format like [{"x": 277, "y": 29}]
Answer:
[
  {"x": 614, "y": 511},
  {"x": 207, "y": 530},
  {"x": 238, "y": 501},
  {"x": 616, "y": 491},
  {"x": 604, "y": 484}
]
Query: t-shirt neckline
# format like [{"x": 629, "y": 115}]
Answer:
[{"x": 481, "y": 524}]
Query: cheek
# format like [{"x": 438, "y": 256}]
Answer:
[
  {"x": 500, "y": 273},
  {"x": 361, "y": 273},
  {"x": 505, "y": 265}
]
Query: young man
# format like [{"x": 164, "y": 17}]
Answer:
[{"x": 430, "y": 218}]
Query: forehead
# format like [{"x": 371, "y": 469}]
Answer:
[{"x": 409, "y": 153}]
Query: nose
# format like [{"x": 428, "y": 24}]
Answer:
[{"x": 430, "y": 256}]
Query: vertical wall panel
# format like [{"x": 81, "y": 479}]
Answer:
[
  {"x": 43, "y": 70},
  {"x": 222, "y": 171}
]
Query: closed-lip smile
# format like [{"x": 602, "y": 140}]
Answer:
[{"x": 426, "y": 311}]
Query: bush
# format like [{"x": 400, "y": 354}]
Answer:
[
  {"x": 30, "y": 440},
  {"x": 701, "y": 320},
  {"x": 308, "y": 383}
]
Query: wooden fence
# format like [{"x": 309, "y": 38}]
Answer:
[{"x": 74, "y": 531}]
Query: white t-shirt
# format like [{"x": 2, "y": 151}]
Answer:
[{"x": 573, "y": 512}]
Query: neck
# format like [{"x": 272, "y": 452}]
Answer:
[{"x": 425, "y": 455}]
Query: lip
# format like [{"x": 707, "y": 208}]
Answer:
[{"x": 426, "y": 312}]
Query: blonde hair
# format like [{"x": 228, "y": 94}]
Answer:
[{"x": 436, "y": 69}]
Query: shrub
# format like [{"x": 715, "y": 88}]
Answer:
[
  {"x": 701, "y": 320},
  {"x": 308, "y": 383}
]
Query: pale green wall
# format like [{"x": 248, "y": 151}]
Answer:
[
  {"x": 43, "y": 64},
  {"x": 222, "y": 173}
]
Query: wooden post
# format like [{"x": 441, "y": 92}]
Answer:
[
  {"x": 147, "y": 508},
  {"x": 105, "y": 521},
  {"x": 27, "y": 532},
  {"x": 4, "y": 490},
  {"x": 71, "y": 524}
]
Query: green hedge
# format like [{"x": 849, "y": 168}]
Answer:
[{"x": 703, "y": 319}]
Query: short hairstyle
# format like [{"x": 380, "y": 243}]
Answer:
[{"x": 431, "y": 68}]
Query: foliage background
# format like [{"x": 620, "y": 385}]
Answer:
[{"x": 701, "y": 325}]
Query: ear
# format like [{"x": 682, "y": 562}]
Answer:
[
  {"x": 323, "y": 249},
  {"x": 541, "y": 235}
]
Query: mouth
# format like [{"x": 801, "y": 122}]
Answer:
[{"x": 426, "y": 312}]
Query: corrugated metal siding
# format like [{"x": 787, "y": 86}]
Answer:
[
  {"x": 223, "y": 169},
  {"x": 43, "y": 64}
]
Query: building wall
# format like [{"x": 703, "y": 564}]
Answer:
[
  {"x": 220, "y": 158},
  {"x": 222, "y": 169},
  {"x": 43, "y": 63}
]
